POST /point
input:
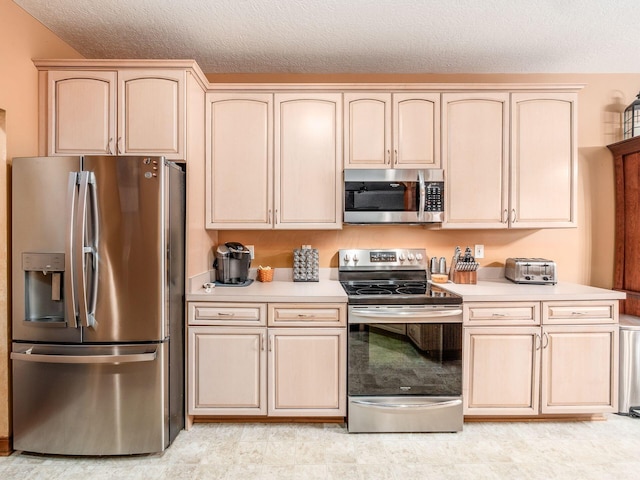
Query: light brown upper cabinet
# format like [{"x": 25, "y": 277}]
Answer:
[
  {"x": 510, "y": 159},
  {"x": 274, "y": 161},
  {"x": 239, "y": 166},
  {"x": 392, "y": 130},
  {"x": 123, "y": 112},
  {"x": 475, "y": 148}
]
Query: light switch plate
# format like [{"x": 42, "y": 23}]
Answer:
[
  {"x": 251, "y": 249},
  {"x": 479, "y": 251}
]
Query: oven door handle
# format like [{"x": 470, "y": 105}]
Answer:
[
  {"x": 449, "y": 403},
  {"x": 399, "y": 316}
]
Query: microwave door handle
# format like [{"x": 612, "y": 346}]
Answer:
[
  {"x": 69, "y": 281},
  {"x": 423, "y": 195}
]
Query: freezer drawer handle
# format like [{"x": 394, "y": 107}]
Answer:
[
  {"x": 110, "y": 359},
  {"x": 434, "y": 405}
]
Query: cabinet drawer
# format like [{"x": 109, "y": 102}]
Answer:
[
  {"x": 307, "y": 314},
  {"x": 504, "y": 313},
  {"x": 583, "y": 312},
  {"x": 213, "y": 313}
]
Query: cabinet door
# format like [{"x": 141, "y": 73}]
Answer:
[
  {"x": 416, "y": 130},
  {"x": 81, "y": 112},
  {"x": 475, "y": 138},
  {"x": 308, "y": 161},
  {"x": 227, "y": 371},
  {"x": 580, "y": 369},
  {"x": 307, "y": 371},
  {"x": 501, "y": 370},
  {"x": 151, "y": 106},
  {"x": 239, "y": 164},
  {"x": 543, "y": 160},
  {"x": 367, "y": 133}
]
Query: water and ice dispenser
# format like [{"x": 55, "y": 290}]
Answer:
[{"x": 43, "y": 276}]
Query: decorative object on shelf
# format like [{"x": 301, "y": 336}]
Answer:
[
  {"x": 631, "y": 119},
  {"x": 306, "y": 265},
  {"x": 265, "y": 274}
]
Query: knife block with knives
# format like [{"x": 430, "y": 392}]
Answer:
[{"x": 464, "y": 268}]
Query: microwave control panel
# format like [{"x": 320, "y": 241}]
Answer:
[{"x": 434, "y": 199}]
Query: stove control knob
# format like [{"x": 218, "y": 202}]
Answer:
[
  {"x": 355, "y": 258},
  {"x": 346, "y": 258},
  {"x": 401, "y": 257},
  {"x": 410, "y": 257},
  {"x": 418, "y": 256}
]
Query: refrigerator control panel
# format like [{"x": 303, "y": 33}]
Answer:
[{"x": 43, "y": 262}]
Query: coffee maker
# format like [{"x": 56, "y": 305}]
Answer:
[{"x": 232, "y": 263}]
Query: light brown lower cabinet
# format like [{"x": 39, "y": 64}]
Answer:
[
  {"x": 547, "y": 369},
  {"x": 256, "y": 370}
]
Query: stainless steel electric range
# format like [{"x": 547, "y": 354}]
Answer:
[{"x": 404, "y": 344}]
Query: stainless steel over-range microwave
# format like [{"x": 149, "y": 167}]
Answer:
[{"x": 379, "y": 196}]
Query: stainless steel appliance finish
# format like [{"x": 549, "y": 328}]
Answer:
[
  {"x": 404, "y": 344},
  {"x": 380, "y": 196},
  {"x": 629, "y": 384},
  {"x": 531, "y": 270},
  {"x": 98, "y": 304}
]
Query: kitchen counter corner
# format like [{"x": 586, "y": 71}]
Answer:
[
  {"x": 281, "y": 289},
  {"x": 503, "y": 290}
]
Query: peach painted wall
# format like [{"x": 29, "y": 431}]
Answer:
[
  {"x": 584, "y": 254},
  {"x": 22, "y": 39}
]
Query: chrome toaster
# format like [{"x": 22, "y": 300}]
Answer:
[{"x": 531, "y": 270}]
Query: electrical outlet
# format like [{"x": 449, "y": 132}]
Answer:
[
  {"x": 253, "y": 252},
  {"x": 479, "y": 251}
]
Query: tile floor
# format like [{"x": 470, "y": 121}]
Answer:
[{"x": 524, "y": 450}]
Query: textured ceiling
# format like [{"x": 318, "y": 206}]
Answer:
[{"x": 356, "y": 36}]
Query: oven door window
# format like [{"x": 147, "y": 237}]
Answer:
[
  {"x": 382, "y": 196},
  {"x": 405, "y": 359}
]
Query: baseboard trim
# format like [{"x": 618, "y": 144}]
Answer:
[{"x": 5, "y": 447}]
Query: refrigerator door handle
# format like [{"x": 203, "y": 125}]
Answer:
[
  {"x": 69, "y": 277},
  {"x": 93, "y": 359},
  {"x": 87, "y": 318},
  {"x": 94, "y": 243}
]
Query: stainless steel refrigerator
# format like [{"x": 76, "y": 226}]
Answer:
[{"x": 97, "y": 304}]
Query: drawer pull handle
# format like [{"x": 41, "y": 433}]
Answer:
[
  {"x": 578, "y": 313},
  {"x": 498, "y": 314},
  {"x": 306, "y": 315},
  {"x": 226, "y": 314}
]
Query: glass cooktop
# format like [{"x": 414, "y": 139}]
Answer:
[{"x": 397, "y": 292}]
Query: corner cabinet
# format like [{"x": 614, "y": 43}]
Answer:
[
  {"x": 392, "y": 130},
  {"x": 519, "y": 152},
  {"x": 299, "y": 185},
  {"x": 540, "y": 358},
  {"x": 125, "y": 111},
  {"x": 277, "y": 359}
]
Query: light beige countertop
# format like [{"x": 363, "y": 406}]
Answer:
[
  {"x": 493, "y": 287},
  {"x": 281, "y": 289}
]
